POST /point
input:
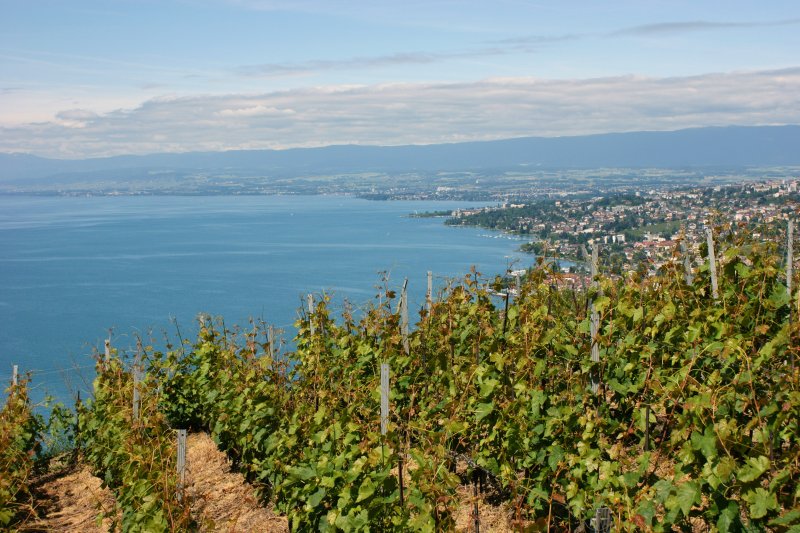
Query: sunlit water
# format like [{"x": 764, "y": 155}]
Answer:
[{"x": 71, "y": 268}]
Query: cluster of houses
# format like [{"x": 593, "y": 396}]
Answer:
[{"x": 650, "y": 229}]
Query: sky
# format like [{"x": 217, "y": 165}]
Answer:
[{"x": 94, "y": 78}]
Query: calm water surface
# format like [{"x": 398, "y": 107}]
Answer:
[{"x": 71, "y": 268}]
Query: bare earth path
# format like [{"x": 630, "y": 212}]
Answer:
[
  {"x": 221, "y": 499},
  {"x": 72, "y": 499}
]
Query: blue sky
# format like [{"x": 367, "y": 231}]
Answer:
[{"x": 93, "y": 78}]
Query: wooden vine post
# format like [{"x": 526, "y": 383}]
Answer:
[
  {"x": 789, "y": 274},
  {"x": 76, "y": 428},
  {"x": 270, "y": 341},
  {"x": 789, "y": 258},
  {"x": 429, "y": 294},
  {"x": 181, "y": 463},
  {"x": 505, "y": 296},
  {"x": 137, "y": 399},
  {"x": 594, "y": 324},
  {"x": 404, "y": 317},
  {"x": 385, "y": 422},
  {"x": 712, "y": 264},
  {"x": 15, "y": 375},
  {"x": 137, "y": 380},
  {"x": 585, "y": 256},
  {"x": 310, "y": 299},
  {"x": 108, "y": 349},
  {"x": 384, "y": 398},
  {"x": 688, "y": 276},
  {"x": 476, "y": 515}
]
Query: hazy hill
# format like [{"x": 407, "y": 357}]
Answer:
[{"x": 699, "y": 147}]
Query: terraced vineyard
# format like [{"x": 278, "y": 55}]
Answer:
[{"x": 689, "y": 419}]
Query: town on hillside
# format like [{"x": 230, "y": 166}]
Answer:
[{"x": 637, "y": 231}]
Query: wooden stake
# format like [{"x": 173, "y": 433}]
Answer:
[
  {"x": 475, "y": 510},
  {"x": 594, "y": 325},
  {"x": 139, "y": 352},
  {"x": 712, "y": 262},
  {"x": 15, "y": 375},
  {"x": 270, "y": 340},
  {"x": 789, "y": 273},
  {"x": 181, "y": 462},
  {"x": 76, "y": 429},
  {"x": 789, "y": 258},
  {"x": 108, "y": 349},
  {"x": 429, "y": 295},
  {"x": 137, "y": 379},
  {"x": 505, "y": 315},
  {"x": 310, "y": 298},
  {"x": 585, "y": 256},
  {"x": 404, "y": 316},
  {"x": 688, "y": 276},
  {"x": 384, "y": 398},
  {"x": 400, "y": 478}
]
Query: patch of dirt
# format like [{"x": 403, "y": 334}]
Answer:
[
  {"x": 222, "y": 500},
  {"x": 493, "y": 518},
  {"x": 72, "y": 499}
]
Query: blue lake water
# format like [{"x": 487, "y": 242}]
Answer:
[{"x": 71, "y": 268}]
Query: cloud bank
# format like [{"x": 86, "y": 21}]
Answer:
[
  {"x": 416, "y": 113},
  {"x": 668, "y": 28}
]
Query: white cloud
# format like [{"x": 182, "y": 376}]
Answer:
[
  {"x": 75, "y": 118},
  {"x": 665, "y": 28},
  {"x": 254, "y": 111},
  {"x": 417, "y": 113}
]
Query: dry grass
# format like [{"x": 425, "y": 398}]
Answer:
[
  {"x": 72, "y": 499},
  {"x": 222, "y": 500},
  {"x": 493, "y": 519}
]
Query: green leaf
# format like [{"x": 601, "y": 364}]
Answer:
[
  {"x": 601, "y": 303},
  {"x": 787, "y": 519},
  {"x": 687, "y": 495},
  {"x": 761, "y": 502},
  {"x": 663, "y": 489},
  {"x": 366, "y": 490},
  {"x": 725, "y": 468},
  {"x": 302, "y": 472},
  {"x": 728, "y": 517},
  {"x": 705, "y": 443},
  {"x": 487, "y": 387},
  {"x": 482, "y": 410},
  {"x": 648, "y": 511},
  {"x": 555, "y": 455},
  {"x": 315, "y": 499},
  {"x": 753, "y": 469}
]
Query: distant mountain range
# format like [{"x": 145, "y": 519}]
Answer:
[{"x": 699, "y": 147}]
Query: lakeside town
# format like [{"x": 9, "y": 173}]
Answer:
[{"x": 637, "y": 231}]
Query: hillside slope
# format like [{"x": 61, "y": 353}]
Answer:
[{"x": 699, "y": 147}]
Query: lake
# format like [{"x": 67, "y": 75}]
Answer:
[{"x": 73, "y": 268}]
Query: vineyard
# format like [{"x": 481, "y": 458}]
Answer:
[{"x": 672, "y": 405}]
